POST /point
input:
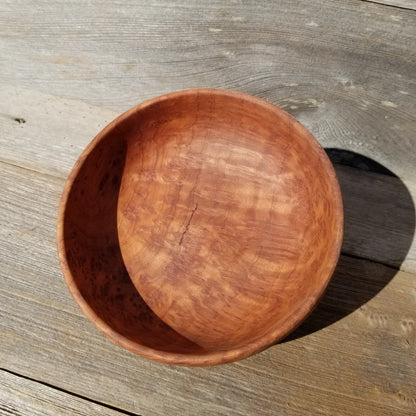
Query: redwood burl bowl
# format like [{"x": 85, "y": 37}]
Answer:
[{"x": 200, "y": 227}]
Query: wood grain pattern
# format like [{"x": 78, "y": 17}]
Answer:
[
  {"x": 19, "y": 396},
  {"x": 344, "y": 68},
  {"x": 374, "y": 307},
  {"x": 222, "y": 199},
  {"x": 54, "y": 133}
]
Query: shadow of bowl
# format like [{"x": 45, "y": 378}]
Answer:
[{"x": 379, "y": 225}]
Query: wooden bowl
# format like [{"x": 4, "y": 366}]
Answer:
[{"x": 221, "y": 209}]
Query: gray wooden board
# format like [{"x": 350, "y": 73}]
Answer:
[
  {"x": 58, "y": 130},
  {"x": 355, "y": 354},
  {"x": 54, "y": 131},
  {"x": 23, "y": 397},
  {"x": 345, "y": 68},
  {"x": 406, "y": 4}
]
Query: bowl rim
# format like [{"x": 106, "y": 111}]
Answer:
[{"x": 204, "y": 358}]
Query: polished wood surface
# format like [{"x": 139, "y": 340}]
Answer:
[
  {"x": 344, "y": 68},
  {"x": 229, "y": 217}
]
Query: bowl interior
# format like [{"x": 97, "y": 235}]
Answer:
[
  {"x": 92, "y": 261},
  {"x": 223, "y": 212}
]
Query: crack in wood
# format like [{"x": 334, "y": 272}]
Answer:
[{"x": 188, "y": 224}]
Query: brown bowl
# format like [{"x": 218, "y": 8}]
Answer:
[{"x": 219, "y": 208}]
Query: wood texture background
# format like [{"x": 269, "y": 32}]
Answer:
[
  {"x": 345, "y": 69},
  {"x": 20, "y": 396}
]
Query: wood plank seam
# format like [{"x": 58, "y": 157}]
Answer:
[
  {"x": 79, "y": 396},
  {"x": 395, "y": 6},
  {"x": 30, "y": 169},
  {"x": 354, "y": 256}
]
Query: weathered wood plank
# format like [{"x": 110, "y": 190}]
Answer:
[
  {"x": 406, "y": 4},
  {"x": 19, "y": 396},
  {"x": 380, "y": 217},
  {"x": 344, "y": 68},
  {"x": 58, "y": 130},
  {"x": 358, "y": 356},
  {"x": 46, "y": 133}
]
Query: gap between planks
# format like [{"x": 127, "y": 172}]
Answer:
[
  {"x": 397, "y": 4},
  {"x": 44, "y": 390}
]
